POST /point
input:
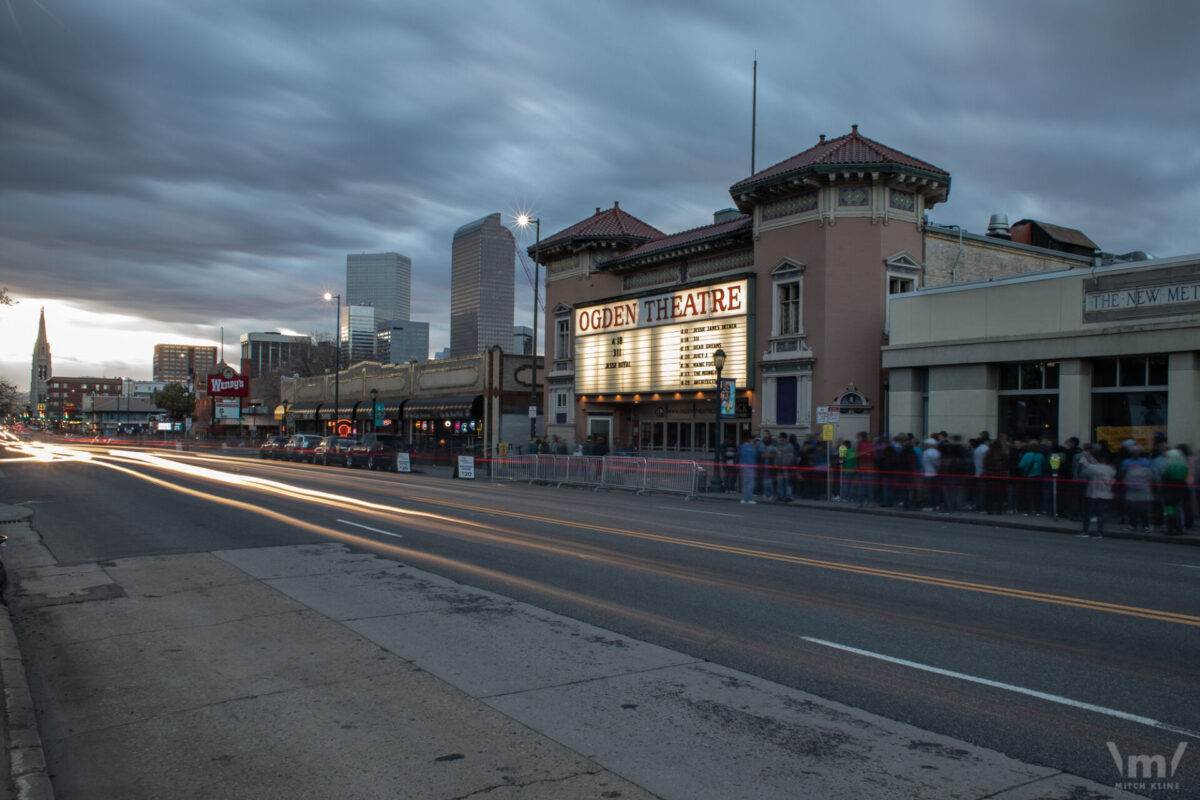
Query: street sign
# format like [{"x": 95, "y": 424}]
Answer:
[
  {"x": 827, "y": 432},
  {"x": 403, "y": 463},
  {"x": 828, "y": 415}
]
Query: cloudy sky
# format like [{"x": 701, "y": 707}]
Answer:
[{"x": 170, "y": 168}]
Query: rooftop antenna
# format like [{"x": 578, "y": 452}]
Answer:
[{"x": 754, "y": 113}]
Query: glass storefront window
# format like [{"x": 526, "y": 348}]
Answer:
[
  {"x": 1024, "y": 416},
  {"x": 1104, "y": 373},
  {"x": 1129, "y": 409},
  {"x": 1131, "y": 372},
  {"x": 1157, "y": 371},
  {"x": 1028, "y": 376},
  {"x": 1010, "y": 377}
]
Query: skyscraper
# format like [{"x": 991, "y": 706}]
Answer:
[
  {"x": 402, "y": 341},
  {"x": 40, "y": 373},
  {"x": 481, "y": 287},
  {"x": 356, "y": 334},
  {"x": 380, "y": 280},
  {"x": 270, "y": 351},
  {"x": 181, "y": 363}
]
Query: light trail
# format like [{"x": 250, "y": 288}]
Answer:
[{"x": 487, "y": 531}]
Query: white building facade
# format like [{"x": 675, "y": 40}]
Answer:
[{"x": 1102, "y": 353}]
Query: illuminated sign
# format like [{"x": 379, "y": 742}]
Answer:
[
  {"x": 663, "y": 343},
  {"x": 221, "y": 386}
]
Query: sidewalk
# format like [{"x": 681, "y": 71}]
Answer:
[{"x": 317, "y": 671}]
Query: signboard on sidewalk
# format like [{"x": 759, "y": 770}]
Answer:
[
  {"x": 466, "y": 467},
  {"x": 403, "y": 464}
]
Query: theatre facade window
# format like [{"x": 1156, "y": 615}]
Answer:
[{"x": 787, "y": 364}]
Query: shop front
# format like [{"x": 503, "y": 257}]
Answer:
[
  {"x": 1103, "y": 354},
  {"x": 645, "y": 373},
  {"x": 452, "y": 424}
]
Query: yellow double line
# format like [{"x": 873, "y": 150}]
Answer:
[{"x": 911, "y": 577}]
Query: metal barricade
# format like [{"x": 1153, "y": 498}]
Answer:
[
  {"x": 553, "y": 469},
  {"x": 674, "y": 476},
  {"x": 606, "y": 472},
  {"x": 585, "y": 471},
  {"x": 515, "y": 468},
  {"x": 624, "y": 473}
]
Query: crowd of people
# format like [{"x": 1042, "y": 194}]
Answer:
[{"x": 1145, "y": 488}]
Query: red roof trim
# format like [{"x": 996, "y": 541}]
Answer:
[{"x": 853, "y": 149}]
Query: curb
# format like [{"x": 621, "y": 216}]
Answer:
[
  {"x": 987, "y": 520},
  {"x": 27, "y": 762},
  {"x": 28, "y": 777}
]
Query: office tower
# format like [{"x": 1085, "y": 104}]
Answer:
[
  {"x": 401, "y": 342},
  {"x": 356, "y": 335},
  {"x": 522, "y": 340},
  {"x": 181, "y": 363},
  {"x": 270, "y": 351},
  {"x": 380, "y": 280},
  {"x": 481, "y": 287},
  {"x": 40, "y": 373}
]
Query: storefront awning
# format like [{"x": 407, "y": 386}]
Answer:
[
  {"x": 468, "y": 406},
  {"x": 298, "y": 411}
]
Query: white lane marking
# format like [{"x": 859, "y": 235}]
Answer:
[
  {"x": 369, "y": 528},
  {"x": 1053, "y": 698},
  {"x": 695, "y": 511},
  {"x": 1189, "y": 566}
]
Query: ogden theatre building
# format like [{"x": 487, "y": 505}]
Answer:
[{"x": 792, "y": 285}]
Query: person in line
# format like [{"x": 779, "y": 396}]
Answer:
[
  {"x": 748, "y": 465},
  {"x": 978, "y": 453},
  {"x": 785, "y": 465},
  {"x": 1139, "y": 489},
  {"x": 1099, "y": 477},
  {"x": 1172, "y": 488},
  {"x": 930, "y": 462}
]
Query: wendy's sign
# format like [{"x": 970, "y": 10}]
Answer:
[{"x": 222, "y": 386}]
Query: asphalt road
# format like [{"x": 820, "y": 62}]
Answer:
[{"x": 1045, "y": 647}]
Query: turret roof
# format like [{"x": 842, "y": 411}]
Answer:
[{"x": 836, "y": 155}]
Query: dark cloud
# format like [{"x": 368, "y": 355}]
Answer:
[{"x": 200, "y": 164}]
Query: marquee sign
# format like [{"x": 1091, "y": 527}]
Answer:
[{"x": 663, "y": 343}]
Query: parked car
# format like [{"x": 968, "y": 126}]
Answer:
[
  {"x": 300, "y": 447},
  {"x": 377, "y": 451},
  {"x": 272, "y": 447},
  {"x": 332, "y": 450}
]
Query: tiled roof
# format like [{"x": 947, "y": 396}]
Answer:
[
  {"x": 610, "y": 224},
  {"x": 853, "y": 149},
  {"x": 1062, "y": 234},
  {"x": 684, "y": 238}
]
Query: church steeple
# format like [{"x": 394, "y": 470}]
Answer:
[{"x": 39, "y": 377}]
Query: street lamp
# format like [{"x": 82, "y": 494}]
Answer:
[
  {"x": 337, "y": 358},
  {"x": 374, "y": 394},
  {"x": 717, "y": 484},
  {"x": 524, "y": 221}
]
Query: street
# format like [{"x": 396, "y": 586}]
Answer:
[{"x": 1050, "y": 649}]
